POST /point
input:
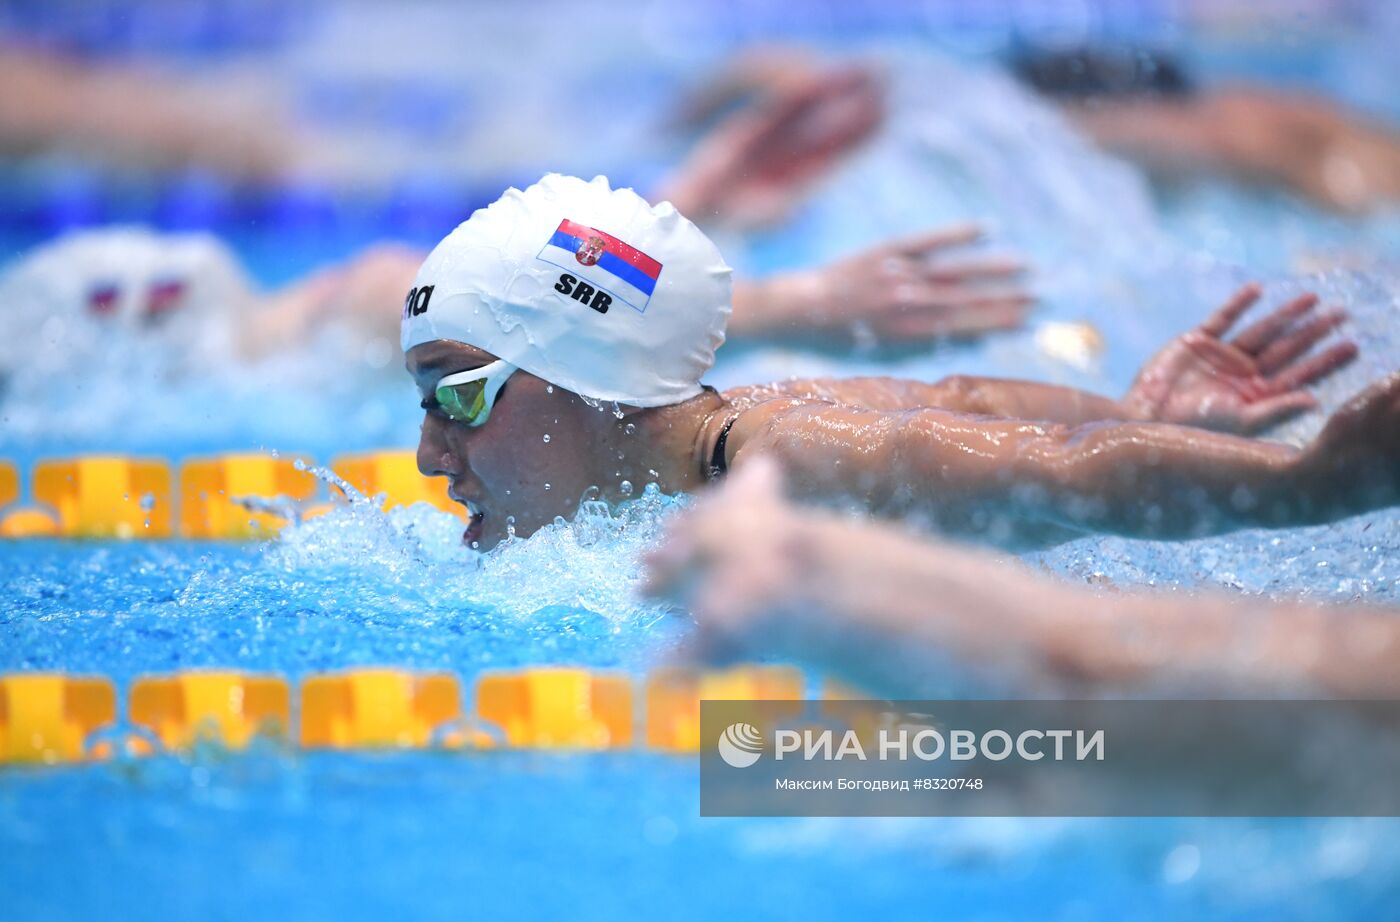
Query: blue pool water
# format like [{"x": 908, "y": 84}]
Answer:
[{"x": 276, "y": 832}]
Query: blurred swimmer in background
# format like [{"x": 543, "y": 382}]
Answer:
[
  {"x": 528, "y": 322},
  {"x": 1145, "y": 107},
  {"x": 190, "y": 293},
  {"x": 127, "y": 114},
  {"x": 1137, "y": 105},
  {"x": 94, "y": 283},
  {"x": 888, "y": 610}
]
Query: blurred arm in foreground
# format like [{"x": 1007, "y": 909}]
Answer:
[{"x": 764, "y": 577}]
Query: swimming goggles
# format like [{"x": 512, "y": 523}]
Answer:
[{"x": 468, "y": 396}]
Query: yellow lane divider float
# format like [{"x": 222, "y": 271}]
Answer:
[
  {"x": 9, "y": 483},
  {"x": 22, "y": 523},
  {"x": 673, "y": 699},
  {"x": 376, "y": 708},
  {"x": 215, "y": 494},
  {"x": 227, "y": 707},
  {"x": 107, "y": 497},
  {"x": 232, "y": 496},
  {"x": 558, "y": 708},
  {"x": 46, "y": 718},
  {"x": 395, "y": 474}
]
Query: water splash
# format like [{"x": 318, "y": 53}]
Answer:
[{"x": 589, "y": 564}]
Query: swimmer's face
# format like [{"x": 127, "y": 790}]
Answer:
[{"x": 506, "y": 468}]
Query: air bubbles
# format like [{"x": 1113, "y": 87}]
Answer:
[
  {"x": 546, "y": 437},
  {"x": 546, "y": 486},
  {"x": 629, "y": 429},
  {"x": 625, "y": 488},
  {"x": 549, "y": 388}
]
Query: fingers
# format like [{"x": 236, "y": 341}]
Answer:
[
  {"x": 1314, "y": 368},
  {"x": 1260, "y": 335},
  {"x": 966, "y": 303},
  {"x": 1264, "y": 413},
  {"x": 980, "y": 317},
  {"x": 1239, "y": 302},
  {"x": 975, "y": 270},
  {"x": 1298, "y": 341},
  {"x": 967, "y": 297},
  {"x": 919, "y": 245}
]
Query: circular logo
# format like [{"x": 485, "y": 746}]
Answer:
[
  {"x": 590, "y": 250},
  {"x": 740, "y": 745}
]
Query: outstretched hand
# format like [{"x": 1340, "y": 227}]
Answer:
[
  {"x": 1244, "y": 384},
  {"x": 754, "y": 167},
  {"x": 907, "y": 289}
]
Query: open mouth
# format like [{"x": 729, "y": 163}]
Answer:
[
  {"x": 475, "y": 526},
  {"x": 476, "y": 517}
]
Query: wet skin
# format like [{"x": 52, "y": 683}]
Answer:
[
  {"x": 1037, "y": 464},
  {"x": 506, "y": 470}
]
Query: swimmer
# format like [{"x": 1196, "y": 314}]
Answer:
[
  {"x": 1143, "y": 107},
  {"x": 182, "y": 300},
  {"x": 189, "y": 291},
  {"x": 918, "y": 288},
  {"x": 131, "y": 115},
  {"x": 763, "y": 577},
  {"x": 548, "y": 370},
  {"x": 752, "y": 168},
  {"x": 1139, "y": 106}
]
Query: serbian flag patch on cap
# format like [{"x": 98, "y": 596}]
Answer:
[{"x": 604, "y": 262}]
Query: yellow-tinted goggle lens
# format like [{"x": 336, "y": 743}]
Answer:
[{"x": 465, "y": 402}]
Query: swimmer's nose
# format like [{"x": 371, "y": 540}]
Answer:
[{"x": 434, "y": 458}]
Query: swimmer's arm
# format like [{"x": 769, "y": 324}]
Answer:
[
  {"x": 1016, "y": 480},
  {"x": 1006, "y": 398},
  {"x": 908, "y": 289},
  {"x": 858, "y": 597},
  {"x": 750, "y": 314},
  {"x": 998, "y": 397},
  {"x": 995, "y": 615},
  {"x": 127, "y": 114},
  {"x": 362, "y": 296}
]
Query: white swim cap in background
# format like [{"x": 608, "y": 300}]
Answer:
[
  {"x": 71, "y": 302},
  {"x": 583, "y": 285}
]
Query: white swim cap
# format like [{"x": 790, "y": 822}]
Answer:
[
  {"x": 583, "y": 285},
  {"x": 76, "y": 300}
]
